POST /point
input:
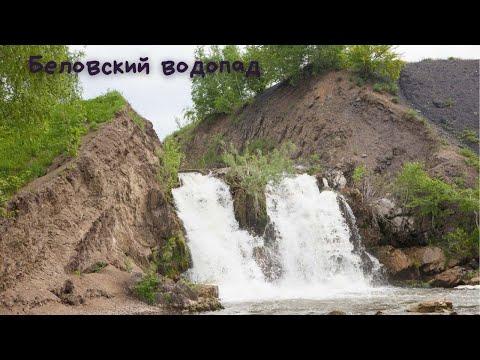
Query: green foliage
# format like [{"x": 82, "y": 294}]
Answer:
[
  {"x": 395, "y": 99},
  {"x": 218, "y": 92},
  {"x": 98, "y": 266},
  {"x": 213, "y": 153},
  {"x": 359, "y": 174},
  {"x": 370, "y": 61},
  {"x": 287, "y": 62},
  {"x": 264, "y": 144},
  {"x": 461, "y": 243},
  {"x": 27, "y": 99},
  {"x": 470, "y": 136},
  {"x": 103, "y": 108},
  {"x": 146, "y": 287},
  {"x": 360, "y": 82},
  {"x": 434, "y": 197},
  {"x": 471, "y": 159},
  {"x": 412, "y": 114},
  {"x": 170, "y": 160},
  {"x": 174, "y": 257},
  {"x": 226, "y": 93},
  {"x": 450, "y": 102},
  {"x": 128, "y": 265},
  {"x": 388, "y": 87},
  {"x": 137, "y": 119},
  {"x": 252, "y": 171}
]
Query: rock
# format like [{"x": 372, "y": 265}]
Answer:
[
  {"x": 68, "y": 287},
  {"x": 474, "y": 281},
  {"x": 337, "y": 312},
  {"x": 207, "y": 291},
  {"x": 336, "y": 179},
  {"x": 379, "y": 313},
  {"x": 429, "y": 259},
  {"x": 364, "y": 155},
  {"x": 449, "y": 278},
  {"x": 398, "y": 265},
  {"x": 473, "y": 264},
  {"x": 439, "y": 103},
  {"x": 268, "y": 262},
  {"x": 453, "y": 262},
  {"x": 72, "y": 299},
  {"x": 184, "y": 289},
  {"x": 386, "y": 208},
  {"x": 434, "y": 306},
  {"x": 133, "y": 281}
]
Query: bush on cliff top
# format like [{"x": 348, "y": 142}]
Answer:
[{"x": 252, "y": 171}]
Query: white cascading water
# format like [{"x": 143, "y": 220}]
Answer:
[{"x": 313, "y": 238}]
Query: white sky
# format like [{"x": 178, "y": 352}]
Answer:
[{"x": 160, "y": 98}]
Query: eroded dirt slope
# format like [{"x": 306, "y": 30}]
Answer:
[
  {"x": 103, "y": 207},
  {"x": 345, "y": 124}
]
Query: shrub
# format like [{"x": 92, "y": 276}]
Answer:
[
  {"x": 174, "y": 257},
  {"x": 411, "y": 114},
  {"x": 461, "y": 243},
  {"x": 470, "y": 136},
  {"x": 170, "y": 160},
  {"x": 471, "y": 159},
  {"x": 433, "y": 197},
  {"x": 370, "y": 61},
  {"x": 213, "y": 153},
  {"x": 395, "y": 99},
  {"x": 358, "y": 174},
  {"x": 146, "y": 287},
  {"x": 388, "y": 87}
]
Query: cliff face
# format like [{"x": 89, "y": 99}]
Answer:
[{"x": 103, "y": 207}]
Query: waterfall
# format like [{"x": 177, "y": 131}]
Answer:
[{"x": 312, "y": 244}]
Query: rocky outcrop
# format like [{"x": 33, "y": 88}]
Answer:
[
  {"x": 177, "y": 295},
  {"x": 429, "y": 259},
  {"x": 399, "y": 266},
  {"x": 105, "y": 206},
  {"x": 435, "y": 306}
]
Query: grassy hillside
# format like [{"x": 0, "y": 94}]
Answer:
[{"x": 26, "y": 153}]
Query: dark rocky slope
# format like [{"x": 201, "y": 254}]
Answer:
[{"x": 446, "y": 92}]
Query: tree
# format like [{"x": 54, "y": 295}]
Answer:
[
  {"x": 218, "y": 92},
  {"x": 374, "y": 60},
  {"x": 26, "y": 98}
]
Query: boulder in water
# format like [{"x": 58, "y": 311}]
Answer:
[
  {"x": 449, "y": 278},
  {"x": 337, "y": 312},
  {"x": 474, "y": 281},
  {"x": 434, "y": 306}
]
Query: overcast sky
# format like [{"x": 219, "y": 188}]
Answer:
[{"x": 160, "y": 99}]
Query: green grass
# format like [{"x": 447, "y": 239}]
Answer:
[
  {"x": 470, "y": 136},
  {"x": 387, "y": 87},
  {"x": 26, "y": 153},
  {"x": 471, "y": 158}
]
